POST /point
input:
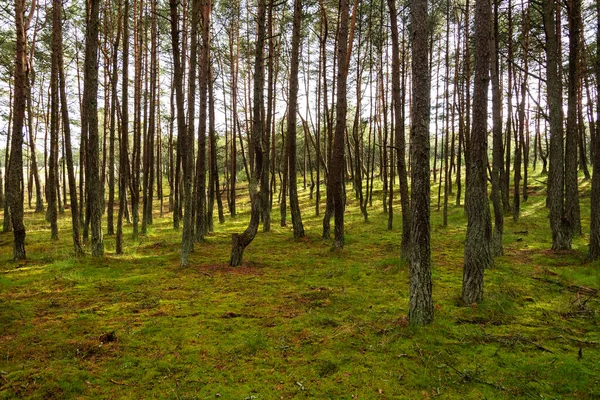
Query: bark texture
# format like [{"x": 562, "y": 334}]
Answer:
[
  {"x": 14, "y": 180},
  {"x": 477, "y": 245},
  {"x": 421, "y": 304}
]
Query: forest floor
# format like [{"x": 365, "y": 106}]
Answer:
[{"x": 299, "y": 320}]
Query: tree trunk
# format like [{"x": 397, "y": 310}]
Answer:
[
  {"x": 561, "y": 231},
  {"x": 498, "y": 148},
  {"x": 240, "y": 242},
  {"x": 124, "y": 139},
  {"x": 572, "y": 211},
  {"x": 421, "y": 303},
  {"x": 399, "y": 133},
  {"x": 90, "y": 94},
  {"x": 15, "y": 173},
  {"x": 594, "y": 249},
  {"x": 477, "y": 245},
  {"x": 336, "y": 174},
  {"x": 52, "y": 214},
  {"x": 291, "y": 122}
]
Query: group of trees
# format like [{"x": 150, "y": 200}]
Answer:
[{"x": 223, "y": 90}]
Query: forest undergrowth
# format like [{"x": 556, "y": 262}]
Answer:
[{"x": 299, "y": 320}]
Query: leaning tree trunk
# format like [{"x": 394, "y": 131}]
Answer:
[{"x": 477, "y": 245}]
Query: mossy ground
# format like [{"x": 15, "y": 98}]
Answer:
[{"x": 298, "y": 320}]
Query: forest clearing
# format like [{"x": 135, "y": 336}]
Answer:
[
  {"x": 255, "y": 199},
  {"x": 298, "y": 320}
]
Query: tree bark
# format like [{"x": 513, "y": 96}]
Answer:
[
  {"x": 572, "y": 211},
  {"x": 477, "y": 245},
  {"x": 421, "y": 303},
  {"x": 498, "y": 148},
  {"x": 124, "y": 139},
  {"x": 336, "y": 174},
  {"x": 594, "y": 247},
  {"x": 90, "y": 95},
  {"x": 240, "y": 242},
  {"x": 561, "y": 231},
  {"x": 291, "y": 122},
  {"x": 15, "y": 173}
]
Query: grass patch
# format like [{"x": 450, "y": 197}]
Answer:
[{"x": 298, "y": 320}]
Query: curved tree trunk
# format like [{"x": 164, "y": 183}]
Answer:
[{"x": 240, "y": 242}]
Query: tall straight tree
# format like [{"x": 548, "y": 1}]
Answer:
[
  {"x": 561, "y": 232},
  {"x": 66, "y": 124},
  {"x": 421, "y": 303},
  {"x": 90, "y": 98},
  {"x": 572, "y": 211},
  {"x": 187, "y": 240},
  {"x": 203, "y": 75},
  {"x": 477, "y": 245},
  {"x": 498, "y": 148},
  {"x": 52, "y": 213},
  {"x": 15, "y": 171},
  {"x": 399, "y": 134},
  {"x": 291, "y": 121},
  {"x": 124, "y": 140},
  {"x": 113, "y": 124},
  {"x": 148, "y": 183},
  {"x": 335, "y": 179},
  {"x": 179, "y": 101},
  {"x": 594, "y": 250}
]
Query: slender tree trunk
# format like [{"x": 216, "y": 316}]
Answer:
[
  {"x": 399, "y": 133},
  {"x": 52, "y": 214},
  {"x": 498, "y": 149},
  {"x": 113, "y": 127},
  {"x": 336, "y": 175},
  {"x": 241, "y": 241},
  {"x": 90, "y": 94},
  {"x": 477, "y": 245},
  {"x": 594, "y": 248},
  {"x": 421, "y": 303},
  {"x": 561, "y": 231},
  {"x": 124, "y": 139},
  {"x": 572, "y": 211},
  {"x": 291, "y": 121},
  {"x": 7, "y": 223},
  {"x": 15, "y": 173}
]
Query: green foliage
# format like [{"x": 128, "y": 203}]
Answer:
[{"x": 297, "y": 320}]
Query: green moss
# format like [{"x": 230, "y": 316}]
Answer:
[{"x": 297, "y": 320}]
